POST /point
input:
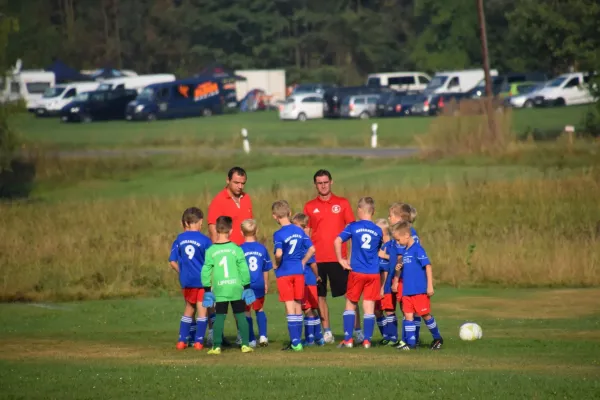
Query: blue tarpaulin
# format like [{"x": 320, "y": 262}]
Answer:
[{"x": 63, "y": 73}]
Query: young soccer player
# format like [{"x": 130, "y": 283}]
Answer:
[
  {"x": 293, "y": 249},
  {"x": 259, "y": 263},
  {"x": 310, "y": 303},
  {"x": 417, "y": 287},
  {"x": 385, "y": 309},
  {"x": 187, "y": 259},
  {"x": 364, "y": 270},
  {"x": 226, "y": 279}
]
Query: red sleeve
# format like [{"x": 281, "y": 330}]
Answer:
[
  {"x": 250, "y": 201},
  {"x": 214, "y": 211},
  {"x": 305, "y": 212},
  {"x": 348, "y": 213}
]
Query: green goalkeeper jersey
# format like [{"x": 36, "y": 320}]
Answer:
[{"x": 225, "y": 270}]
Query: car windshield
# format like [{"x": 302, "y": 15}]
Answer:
[
  {"x": 437, "y": 81},
  {"x": 53, "y": 92},
  {"x": 82, "y": 96},
  {"x": 557, "y": 82},
  {"x": 146, "y": 94},
  {"x": 524, "y": 89}
]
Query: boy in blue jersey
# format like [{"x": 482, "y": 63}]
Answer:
[
  {"x": 259, "y": 264},
  {"x": 293, "y": 249},
  {"x": 417, "y": 287},
  {"x": 187, "y": 259},
  {"x": 310, "y": 303},
  {"x": 364, "y": 270}
]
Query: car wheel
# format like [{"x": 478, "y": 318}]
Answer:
[
  {"x": 364, "y": 115},
  {"x": 86, "y": 118},
  {"x": 207, "y": 112},
  {"x": 560, "y": 102},
  {"x": 302, "y": 117},
  {"x": 528, "y": 104},
  {"x": 151, "y": 117}
]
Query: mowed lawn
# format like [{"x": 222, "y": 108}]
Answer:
[
  {"x": 264, "y": 128},
  {"x": 537, "y": 344}
]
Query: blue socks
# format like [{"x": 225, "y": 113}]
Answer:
[
  {"x": 349, "y": 317},
  {"x": 192, "y": 337},
  {"x": 184, "y": 328},
  {"x": 200, "y": 329},
  {"x": 295, "y": 328},
  {"x": 309, "y": 333},
  {"x": 410, "y": 328},
  {"x": 403, "y": 330},
  {"x": 432, "y": 326},
  {"x": 318, "y": 333},
  {"x": 381, "y": 322},
  {"x": 251, "y": 336},
  {"x": 417, "y": 320},
  {"x": 369, "y": 322},
  {"x": 261, "y": 321},
  {"x": 392, "y": 327}
]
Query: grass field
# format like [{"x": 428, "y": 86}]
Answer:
[
  {"x": 537, "y": 344},
  {"x": 265, "y": 130}
]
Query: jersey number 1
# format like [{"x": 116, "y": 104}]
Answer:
[{"x": 223, "y": 263}]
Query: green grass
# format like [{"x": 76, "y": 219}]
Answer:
[
  {"x": 125, "y": 349},
  {"x": 265, "y": 130}
]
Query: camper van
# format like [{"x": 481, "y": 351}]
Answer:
[
  {"x": 28, "y": 85},
  {"x": 182, "y": 98},
  {"x": 402, "y": 81},
  {"x": 135, "y": 82},
  {"x": 456, "y": 81},
  {"x": 55, "y": 98}
]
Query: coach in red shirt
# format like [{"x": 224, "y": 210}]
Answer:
[
  {"x": 328, "y": 216},
  {"x": 233, "y": 202}
]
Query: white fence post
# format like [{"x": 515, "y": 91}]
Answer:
[
  {"x": 246, "y": 143},
  {"x": 374, "y": 136}
]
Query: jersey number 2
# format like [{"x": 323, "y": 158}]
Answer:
[
  {"x": 366, "y": 241},
  {"x": 223, "y": 263}
]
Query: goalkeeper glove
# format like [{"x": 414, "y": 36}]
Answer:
[
  {"x": 208, "y": 300},
  {"x": 248, "y": 296}
]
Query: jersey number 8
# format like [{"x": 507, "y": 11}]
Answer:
[{"x": 253, "y": 263}]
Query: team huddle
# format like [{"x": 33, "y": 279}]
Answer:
[{"x": 387, "y": 266}]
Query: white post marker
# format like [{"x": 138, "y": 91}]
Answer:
[
  {"x": 374, "y": 136},
  {"x": 246, "y": 143}
]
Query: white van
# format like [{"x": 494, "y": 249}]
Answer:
[
  {"x": 456, "y": 81},
  {"x": 54, "y": 99},
  {"x": 565, "y": 90},
  {"x": 135, "y": 82},
  {"x": 399, "y": 80},
  {"x": 28, "y": 85}
]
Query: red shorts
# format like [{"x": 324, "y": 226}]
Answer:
[
  {"x": 310, "y": 300},
  {"x": 193, "y": 295},
  {"x": 291, "y": 287},
  {"x": 417, "y": 304},
  {"x": 387, "y": 302},
  {"x": 257, "y": 305},
  {"x": 368, "y": 285}
]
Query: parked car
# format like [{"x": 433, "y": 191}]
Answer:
[
  {"x": 524, "y": 99},
  {"x": 508, "y": 84},
  {"x": 565, "y": 90},
  {"x": 400, "y": 81},
  {"x": 436, "y": 103},
  {"x": 333, "y": 97},
  {"x": 456, "y": 81},
  {"x": 301, "y": 107},
  {"x": 398, "y": 104},
  {"x": 137, "y": 82},
  {"x": 319, "y": 88},
  {"x": 181, "y": 98},
  {"x": 98, "y": 105},
  {"x": 363, "y": 106},
  {"x": 54, "y": 99}
]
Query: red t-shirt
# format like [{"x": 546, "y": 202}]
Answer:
[
  {"x": 327, "y": 220},
  {"x": 224, "y": 204}
]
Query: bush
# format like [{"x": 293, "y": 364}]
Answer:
[{"x": 591, "y": 120}]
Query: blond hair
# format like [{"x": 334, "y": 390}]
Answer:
[
  {"x": 403, "y": 211},
  {"x": 367, "y": 204},
  {"x": 249, "y": 227},
  {"x": 401, "y": 227},
  {"x": 281, "y": 209},
  {"x": 300, "y": 219},
  {"x": 383, "y": 223}
]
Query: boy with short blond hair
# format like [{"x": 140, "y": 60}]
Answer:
[{"x": 259, "y": 264}]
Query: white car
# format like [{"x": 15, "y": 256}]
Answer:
[
  {"x": 302, "y": 107},
  {"x": 566, "y": 90},
  {"x": 525, "y": 98}
]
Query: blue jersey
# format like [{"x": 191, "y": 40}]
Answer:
[
  {"x": 389, "y": 266},
  {"x": 293, "y": 243},
  {"x": 259, "y": 261},
  {"x": 309, "y": 276},
  {"x": 366, "y": 242},
  {"x": 188, "y": 251},
  {"x": 414, "y": 278}
]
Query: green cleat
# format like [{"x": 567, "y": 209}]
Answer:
[
  {"x": 297, "y": 347},
  {"x": 215, "y": 350}
]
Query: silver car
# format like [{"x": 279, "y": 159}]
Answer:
[{"x": 361, "y": 106}]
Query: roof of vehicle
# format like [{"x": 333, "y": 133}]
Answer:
[{"x": 187, "y": 81}]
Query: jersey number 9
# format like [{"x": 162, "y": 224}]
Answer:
[{"x": 190, "y": 251}]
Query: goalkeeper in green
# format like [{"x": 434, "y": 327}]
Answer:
[{"x": 226, "y": 279}]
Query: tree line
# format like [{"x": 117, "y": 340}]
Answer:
[{"x": 314, "y": 40}]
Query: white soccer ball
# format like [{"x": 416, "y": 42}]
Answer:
[{"x": 470, "y": 331}]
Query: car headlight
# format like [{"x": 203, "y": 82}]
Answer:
[
  {"x": 74, "y": 109},
  {"x": 139, "y": 108}
]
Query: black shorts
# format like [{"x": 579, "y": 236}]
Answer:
[
  {"x": 338, "y": 279},
  {"x": 238, "y": 306}
]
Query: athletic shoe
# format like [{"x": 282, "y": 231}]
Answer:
[
  {"x": 308, "y": 344},
  {"x": 181, "y": 345},
  {"x": 366, "y": 344},
  {"x": 384, "y": 342},
  {"x": 247, "y": 349},
  {"x": 348, "y": 344},
  {"x": 263, "y": 341},
  {"x": 209, "y": 338},
  {"x": 404, "y": 347},
  {"x": 328, "y": 337},
  {"x": 238, "y": 340},
  {"x": 436, "y": 344},
  {"x": 359, "y": 337},
  {"x": 198, "y": 346},
  {"x": 297, "y": 347},
  {"x": 393, "y": 344},
  {"x": 320, "y": 342},
  {"x": 215, "y": 350},
  {"x": 252, "y": 344}
]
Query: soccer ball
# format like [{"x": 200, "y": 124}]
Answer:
[{"x": 470, "y": 331}]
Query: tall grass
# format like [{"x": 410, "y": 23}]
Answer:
[{"x": 522, "y": 233}]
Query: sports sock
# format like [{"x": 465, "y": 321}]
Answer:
[
  {"x": 251, "y": 336},
  {"x": 318, "y": 332},
  {"x": 201, "y": 329},
  {"x": 403, "y": 333},
  {"x": 184, "y": 328},
  {"x": 244, "y": 327},
  {"x": 369, "y": 324},
  {"x": 381, "y": 325},
  {"x": 291, "y": 321},
  {"x": 349, "y": 316},
  {"x": 432, "y": 326},
  {"x": 192, "y": 337},
  {"x": 218, "y": 330},
  {"x": 211, "y": 319},
  {"x": 310, "y": 329},
  {"x": 299, "y": 323},
  {"x": 417, "y": 326},
  {"x": 261, "y": 321},
  {"x": 409, "y": 327},
  {"x": 392, "y": 327}
]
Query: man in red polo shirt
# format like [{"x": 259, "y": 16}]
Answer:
[
  {"x": 233, "y": 202},
  {"x": 328, "y": 216}
]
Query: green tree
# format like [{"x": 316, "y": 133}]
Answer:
[{"x": 8, "y": 138}]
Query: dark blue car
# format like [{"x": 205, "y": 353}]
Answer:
[
  {"x": 177, "y": 99},
  {"x": 398, "y": 104}
]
